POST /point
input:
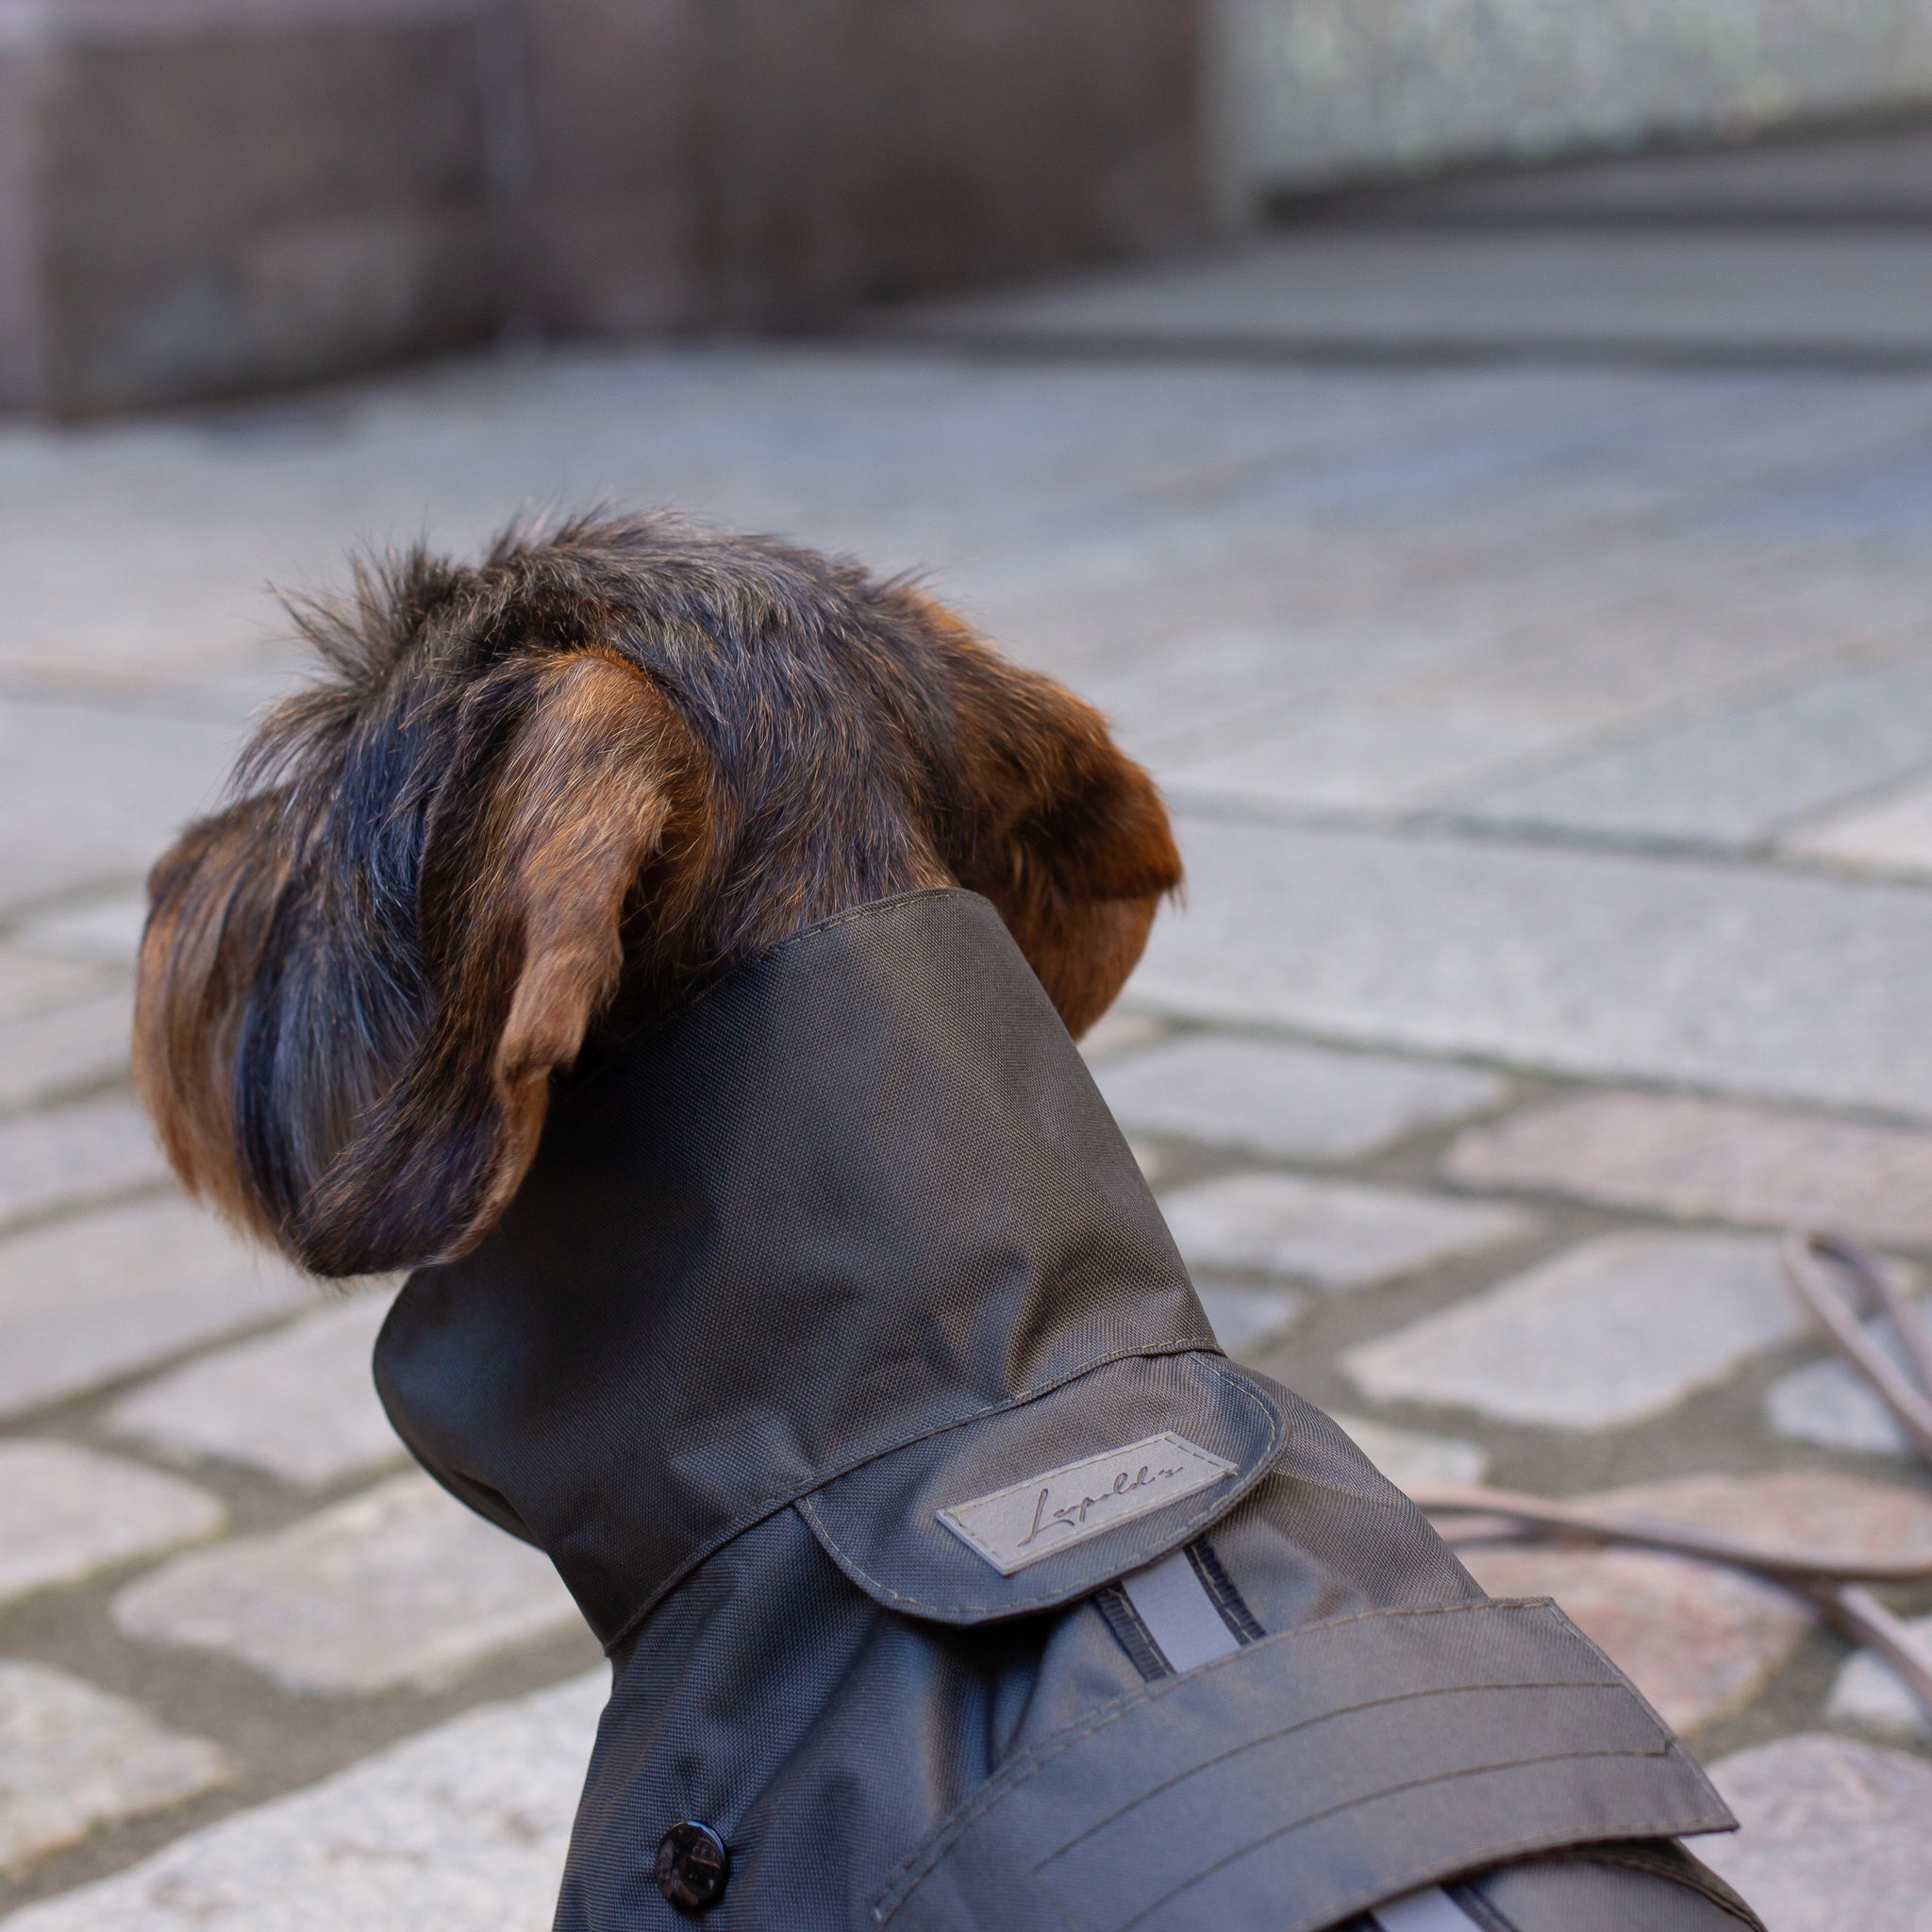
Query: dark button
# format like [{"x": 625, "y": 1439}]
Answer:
[{"x": 692, "y": 1866}]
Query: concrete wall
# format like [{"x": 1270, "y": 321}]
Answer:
[
  {"x": 207, "y": 195},
  {"x": 228, "y": 193},
  {"x": 754, "y": 162},
  {"x": 1315, "y": 91}
]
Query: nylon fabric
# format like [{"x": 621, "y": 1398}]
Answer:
[
  {"x": 849, "y": 1239},
  {"x": 880, "y": 1524},
  {"x": 1315, "y": 1772},
  {"x": 743, "y": 1262},
  {"x": 1613, "y": 1888}
]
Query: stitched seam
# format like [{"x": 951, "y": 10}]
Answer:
[
  {"x": 1015, "y": 1606},
  {"x": 1131, "y": 1633},
  {"x": 1426, "y": 1874},
  {"x": 823, "y": 1479},
  {"x": 1477, "y": 1910},
  {"x": 1419, "y": 1784},
  {"x": 1220, "y": 1589},
  {"x": 1344, "y": 1710},
  {"x": 1366, "y": 1900},
  {"x": 1658, "y": 1868},
  {"x": 1211, "y": 1511},
  {"x": 1019, "y": 1770}
]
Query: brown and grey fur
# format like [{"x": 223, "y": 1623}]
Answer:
[{"x": 547, "y": 794}]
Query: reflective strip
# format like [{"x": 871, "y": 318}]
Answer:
[
  {"x": 1432, "y": 1910},
  {"x": 1172, "y": 1601}
]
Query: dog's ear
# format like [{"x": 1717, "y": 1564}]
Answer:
[
  {"x": 1062, "y": 831},
  {"x": 569, "y": 779},
  {"x": 211, "y": 902}
]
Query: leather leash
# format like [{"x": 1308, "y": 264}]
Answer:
[{"x": 1837, "y": 1587}]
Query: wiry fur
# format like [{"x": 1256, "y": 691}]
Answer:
[{"x": 551, "y": 792}]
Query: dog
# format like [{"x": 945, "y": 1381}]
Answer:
[{"x": 669, "y": 945}]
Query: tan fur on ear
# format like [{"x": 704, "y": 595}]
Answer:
[
  {"x": 1062, "y": 830},
  {"x": 210, "y": 900},
  {"x": 587, "y": 805},
  {"x": 525, "y": 896}
]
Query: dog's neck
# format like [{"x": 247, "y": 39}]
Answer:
[{"x": 852, "y": 1196}]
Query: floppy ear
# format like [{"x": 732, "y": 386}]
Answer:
[
  {"x": 569, "y": 779},
  {"x": 1062, "y": 830},
  {"x": 211, "y": 901}
]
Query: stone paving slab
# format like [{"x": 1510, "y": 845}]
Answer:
[
  {"x": 1871, "y": 1696},
  {"x": 104, "y": 929},
  {"x": 1734, "y": 777},
  {"x": 88, "y": 793},
  {"x": 1246, "y": 1319},
  {"x": 1430, "y": 733},
  {"x": 1704, "y": 1160},
  {"x": 299, "y": 1404},
  {"x": 1343, "y": 291},
  {"x": 1290, "y": 1101},
  {"x": 1317, "y": 674},
  {"x": 66, "y": 1513},
  {"x": 1117, "y": 1032},
  {"x": 30, "y": 983},
  {"x": 1893, "y": 836},
  {"x": 73, "y": 1757},
  {"x": 1829, "y": 1403},
  {"x": 1804, "y": 1510},
  {"x": 1587, "y": 963},
  {"x": 1050, "y": 473},
  {"x": 83, "y": 1152},
  {"x": 1600, "y": 1337},
  {"x": 461, "y": 1829},
  {"x": 1827, "y": 1822},
  {"x": 54, "y": 1052},
  {"x": 1411, "y": 1457},
  {"x": 1698, "y": 1640},
  {"x": 401, "y": 1585},
  {"x": 1336, "y": 1234},
  {"x": 90, "y": 1298}
]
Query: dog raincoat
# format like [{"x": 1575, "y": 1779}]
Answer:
[{"x": 953, "y": 1578}]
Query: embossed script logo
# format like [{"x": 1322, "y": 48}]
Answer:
[{"x": 1019, "y": 1525}]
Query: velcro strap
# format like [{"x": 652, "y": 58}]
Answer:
[{"x": 1312, "y": 1775}]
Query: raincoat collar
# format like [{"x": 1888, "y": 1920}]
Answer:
[{"x": 854, "y": 1196}]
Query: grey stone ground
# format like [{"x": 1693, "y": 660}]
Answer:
[{"x": 1535, "y": 635}]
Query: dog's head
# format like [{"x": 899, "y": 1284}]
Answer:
[{"x": 554, "y": 791}]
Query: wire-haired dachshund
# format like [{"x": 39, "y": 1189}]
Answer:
[
  {"x": 562, "y": 789},
  {"x": 667, "y": 945}
]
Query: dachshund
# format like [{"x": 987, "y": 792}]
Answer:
[
  {"x": 554, "y": 792},
  {"x": 648, "y": 936}
]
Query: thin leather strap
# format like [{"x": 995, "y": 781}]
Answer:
[
  {"x": 1785, "y": 1564},
  {"x": 1811, "y": 1258},
  {"x": 1833, "y": 1585}
]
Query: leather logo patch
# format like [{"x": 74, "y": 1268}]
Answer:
[{"x": 1016, "y": 1526}]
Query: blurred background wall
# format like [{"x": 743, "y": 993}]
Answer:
[
  {"x": 1313, "y": 92},
  {"x": 201, "y": 196}
]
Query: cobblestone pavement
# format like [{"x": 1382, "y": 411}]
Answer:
[{"x": 1552, "y": 740}]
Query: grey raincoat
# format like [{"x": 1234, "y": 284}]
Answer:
[{"x": 952, "y": 1577}]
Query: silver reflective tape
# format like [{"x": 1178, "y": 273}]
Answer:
[
  {"x": 1172, "y": 1601},
  {"x": 1430, "y": 1910},
  {"x": 1059, "y": 1508}
]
